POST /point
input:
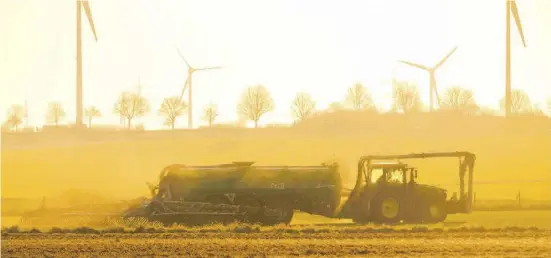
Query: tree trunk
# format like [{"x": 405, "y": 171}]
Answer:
[
  {"x": 255, "y": 123},
  {"x": 129, "y": 123},
  {"x": 90, "y": 122},
  {"x": 172, "y": 125}
]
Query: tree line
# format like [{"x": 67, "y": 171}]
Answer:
[{"x": 256, "y": 101}]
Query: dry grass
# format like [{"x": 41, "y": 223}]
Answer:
[
  {"x": 515, "y": 221},
  {"x": 303, "y": 243},
  {"x": 482, "y": 234}
]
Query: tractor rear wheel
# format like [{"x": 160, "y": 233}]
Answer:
[{"x": 387, "y": 208}]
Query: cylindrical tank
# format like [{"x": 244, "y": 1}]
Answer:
[{"x": 312, "y": 189}]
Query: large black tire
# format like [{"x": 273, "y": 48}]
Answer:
[
  {"x": 286, "y": 216},
  {"x": 387, "y": 208},
  {"x": 360, "y": 212},
  {"x": 253, "y": 217},
  {"x": 435, "y": 212}
]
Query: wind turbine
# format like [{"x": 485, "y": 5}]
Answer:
[
  {"x": 80, "y": 5},
  {"x": 188, "y": 84},
  {"x": 432, "y": 71},
  {"x": 512, "y": 9}
]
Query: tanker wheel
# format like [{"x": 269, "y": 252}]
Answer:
[
  {"x": 360, "y": 214},
  {"x": 249, "y": 201},
  {"x": 387, "y": 208},
  {"x": 285, "y": 216}
]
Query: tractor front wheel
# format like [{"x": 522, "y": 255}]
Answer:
[{"x": 435, "y": 213}]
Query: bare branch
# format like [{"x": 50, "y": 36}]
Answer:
[
  {"x": 131, "y": 105},
  {"x": 406, "y": 97},
  {"x": 55, "y": 113},
  {"x": 335, "y": 106},
  {"x": 210, "y": 114},
  {"x": 171, "y": 109},
  {"x": 91, "y": 112},
  {"x": 255, "y": 102},
  {"x": 459, "y": 100},
  {"x": 15, "y": 116},
  {"x": 303, "y": 106},
  {"x": 520, "y": 102},
  {"x": 359, "y": 98}
]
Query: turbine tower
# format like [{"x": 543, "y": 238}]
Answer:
[
  {"x": 512, "y": 9},
  {"x": 188, "y": 84},
  {"x": 432, "y": 71},
  {"x": 26, "y": 114},
  {"x": 80, "y": 5}
]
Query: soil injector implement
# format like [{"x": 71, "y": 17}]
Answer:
[{"x": 386, "y": 191}]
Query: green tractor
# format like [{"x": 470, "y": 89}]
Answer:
[{"x": 387, "y": 191}]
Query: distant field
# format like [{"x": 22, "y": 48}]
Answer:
[{"x": 121, "y": 168}]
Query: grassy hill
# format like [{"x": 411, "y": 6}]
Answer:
[{"x": 119, "y": 163}]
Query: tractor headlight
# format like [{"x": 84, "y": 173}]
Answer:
[{"x": 145, "y": 203}]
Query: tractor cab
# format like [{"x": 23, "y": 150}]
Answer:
[{"x": 393, "y": 173}]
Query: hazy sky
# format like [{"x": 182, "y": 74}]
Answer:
[{"x": 321, "y": 47}]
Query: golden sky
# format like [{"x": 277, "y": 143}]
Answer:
[{"x": 321, "y": 47}]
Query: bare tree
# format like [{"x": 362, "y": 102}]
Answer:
[
  {"x": 55, "y": 113},
  {"x": 520, "y": 102},
  {"x": 487, "y": 111},
  {"x": 406, "y": 97},
  {"x": 303, "y": 106},
  {"x": 172, "y": 108},
  {"x": 359, "y": 98},
  {"x": 459, "y": 99},
  {"x": 335, "y": 106},
  {"x": 131, "y": 105},
  {"x": 536, "y": 111},
  {"x": 255, "y": 102},
  {"x": 15, "y": 116},
  {"x": 91, "y": 112},
  {"x": 210, "y": 113}
]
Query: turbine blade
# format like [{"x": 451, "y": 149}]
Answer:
[
  {"x": 184, "y": 89},
  {"x": 514, "y": 10},
  {"x": 86, "y": 6},
  {"x": 445, "y": 58},
  {"x": 209, "y": 68},
  {"x": 182, "y": 56},
  {"x": 415, "y": 65}
]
